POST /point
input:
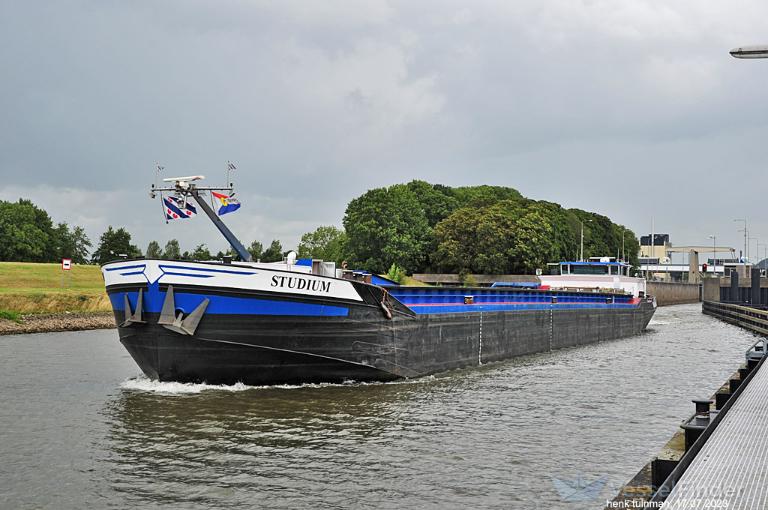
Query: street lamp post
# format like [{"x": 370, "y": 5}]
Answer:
[
  {"x": 623, "y": 231},
  {"x": 581, "y": 251},
  {"x": 750, "y": 52},
  {"x": 714, "y": 254},
  {"x": 757, "y": 250}
]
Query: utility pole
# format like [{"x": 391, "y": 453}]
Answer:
[
  {"x": 757, "y": 250},
  {"x": 581, "y": 252},
  {"x": 746, "y": 249},
  {"x": 623, "y": 257},
  {"x": 653, "y": 245}
]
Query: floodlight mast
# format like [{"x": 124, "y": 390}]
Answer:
[{"x": 185, "y": 186}]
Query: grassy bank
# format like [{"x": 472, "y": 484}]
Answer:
[
  {"x": 27, "y": 287},
  {"x": 413, "y": 282},
  {"x": 31, "y": 288}
]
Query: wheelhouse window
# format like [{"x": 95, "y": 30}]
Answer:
[{"x": 590, "y": 269}]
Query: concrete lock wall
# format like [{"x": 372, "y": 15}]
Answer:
[
  {"x": 711, "y": 288},
  {"x": 669, "y": 293},
  {"x": 719, "y": 290}
]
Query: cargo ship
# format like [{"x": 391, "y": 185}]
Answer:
[{"x": 304, "y": 321}]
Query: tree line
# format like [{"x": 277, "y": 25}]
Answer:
[
  {"x": 28, "y": 234},
  {"x": 423, "y": 227},
  {"x": 116, "y": 243},
  {"x": 415, "y": 228}
]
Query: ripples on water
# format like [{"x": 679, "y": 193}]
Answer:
[{"x": 79, "y": 428}]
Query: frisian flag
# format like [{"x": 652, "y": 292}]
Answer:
[
  {"x": 176, "y": 209},
  {"x": 228, "y": 204}
]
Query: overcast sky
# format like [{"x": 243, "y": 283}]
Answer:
[{"x": 633, "y": 109}]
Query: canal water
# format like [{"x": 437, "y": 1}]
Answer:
[{"x": 80, "y": 428}]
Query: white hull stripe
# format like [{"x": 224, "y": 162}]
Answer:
[{"x": 208, "y": 275}]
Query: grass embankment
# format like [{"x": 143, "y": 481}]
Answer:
[
  {"x": 31, "y": 288},
  {"x": 27, "y": 287},
  {"x": 413, "y": 282}
]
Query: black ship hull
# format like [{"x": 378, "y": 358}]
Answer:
[
  {"x": 364, "y": 347},
  {"x": 224, "y": 324}
]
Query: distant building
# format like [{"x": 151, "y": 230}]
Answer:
[
  {"x": 656, "y": 250},
  {"x": 656, "y": 263}
]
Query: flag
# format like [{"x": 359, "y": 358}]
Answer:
[
  {"x": 231, "y": 166},
  {"x": 176, "y": 209},
  {"x": 228, "y": 204}
]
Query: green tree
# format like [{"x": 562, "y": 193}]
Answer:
[
  {"x": 396, "y": 273},
  {"x": 172, "y": 250},
  {"x": 603, "y": 238},
  {"x": 26, "y": 233},
  {"x": 79, "y": 245},
  {"x": 506, "y": 237},
  {"x": 480, "y": 196},
  {"x": 154, "y": 251},
  {"x": 436, "y": 200},
  {"x": 229, "y": 253},
  {"x": 386, "y": 226},
  {"x": 484, "y": 229},
  {"x": 60, "y": 241},
  {"x": 72, "y": 244},
  {"x": 201, "y": 253},
  {"x": 274, "y": 253},
  {"x": 564, "y": 229},
  {"x": 113, "y": 244},
  {"x": 326, "y": 243},
  {"x": 631, "y": 246},
  {"x": 256, "y": 249}
]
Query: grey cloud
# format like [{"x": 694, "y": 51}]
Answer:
[{"x": 633, "y": 109}]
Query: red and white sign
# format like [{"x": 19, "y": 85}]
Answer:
[{"x": 66, "y": 264}]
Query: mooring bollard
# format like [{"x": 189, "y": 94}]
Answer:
[
  {"x": 696, "y": 424},
  {"x": 702, "y": 406}
]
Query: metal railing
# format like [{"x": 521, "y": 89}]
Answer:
[{"x": 748, "y": 317}]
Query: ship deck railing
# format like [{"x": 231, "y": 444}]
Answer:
[{"x": 482, "y": 296}]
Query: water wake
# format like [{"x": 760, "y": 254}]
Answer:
[{"x": 144, "y": 383}]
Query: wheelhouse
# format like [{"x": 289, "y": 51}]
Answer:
[{"x": 591, "y": 267}]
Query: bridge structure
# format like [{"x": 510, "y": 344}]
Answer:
[{"x": 662, "y": 268}]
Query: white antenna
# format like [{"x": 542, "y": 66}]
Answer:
[
  {"x": 158, "y": 169},
  {"x": 230, "y": 167}
]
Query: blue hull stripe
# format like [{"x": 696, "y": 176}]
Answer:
[
  {"x": 483, "y": 296},
  {"x": 461, "y": 308},
  {"x": 123, "y": 268},
  {"x": 204, "y": 269},
  {"x": 225, "y": 305},
  {"x": 191, "y": 275}
]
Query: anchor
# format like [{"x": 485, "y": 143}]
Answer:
[
  {"x": 132, "y": 317},
  {"x": 179, "y": 324}
]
